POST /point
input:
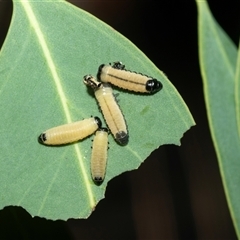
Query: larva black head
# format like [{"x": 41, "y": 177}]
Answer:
[
  {"x": 42, "y": 138},
  {"x": 118, "y": 65},
  {"x": 100, "y": 71},
  {"x": 104, "y": 130},
  {"x": 153, "y": 85},
  {"x": 98, "y": 180},
  {"x": 122, "y": 138},
  {"x": 98, "y": 121},
  {"x": 90, "y": 81}
]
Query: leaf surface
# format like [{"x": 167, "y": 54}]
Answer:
[
  {"x": 49, "y": 48},
  {"x": 218, "y": 56}
]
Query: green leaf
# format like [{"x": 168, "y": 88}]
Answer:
[
  {"x": 49, "y": 48},
  {"x": 218, "y": 57},
  {"x": 237, "y": 97}
]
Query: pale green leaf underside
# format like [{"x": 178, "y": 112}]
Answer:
[
  {"x": 218, "y": 57},
  {"x": 49, "y": 48}
]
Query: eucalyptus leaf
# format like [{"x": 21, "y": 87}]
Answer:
[
  {"x": 218, "y": 56},
  {"x": 237, "y": 89},
  {"x": 50, "y": 46}
]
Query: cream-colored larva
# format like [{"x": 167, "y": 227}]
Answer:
[
  {"x": 99, "y": 155},
  {"x": 110, "y": 109},
  {"x": 117, "y": 75},
  {"x": 71, "y": 132}
]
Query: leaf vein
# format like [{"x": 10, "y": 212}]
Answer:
[{"x": 46, "y": 52}]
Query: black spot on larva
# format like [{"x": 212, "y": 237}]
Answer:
[
  {"x": 98, "y": 180},
  {"x": 42, "y": 138},
  {"x": 100, "y": 71},
  {"x": 153, "y": 85},
  {"x": 98, "y": 121},
  {"x": 118, "y": 65},
  {"x": 104, "y": 130},
  {"x": 122, "y": 138}
]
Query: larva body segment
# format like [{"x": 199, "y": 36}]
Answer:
[
  {"x": 112, "y": 113},
  {"x": 110, "y": 109},
  {"x": 99, "y": 155},
  {"x": 119, "y": 76},
  {"x": 71, "y": 132}
]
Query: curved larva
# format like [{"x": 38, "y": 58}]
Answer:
[
  {"x": 99, "y": 155},
  {"x": 71, "y": 132},
  {"x": 110, "y": 109},
  {"x": 119, "y": 76}
]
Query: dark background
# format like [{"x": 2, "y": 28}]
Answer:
[{"x": 177, "y": 192}]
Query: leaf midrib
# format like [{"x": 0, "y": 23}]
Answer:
[{"x": 63, "y": 99}]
